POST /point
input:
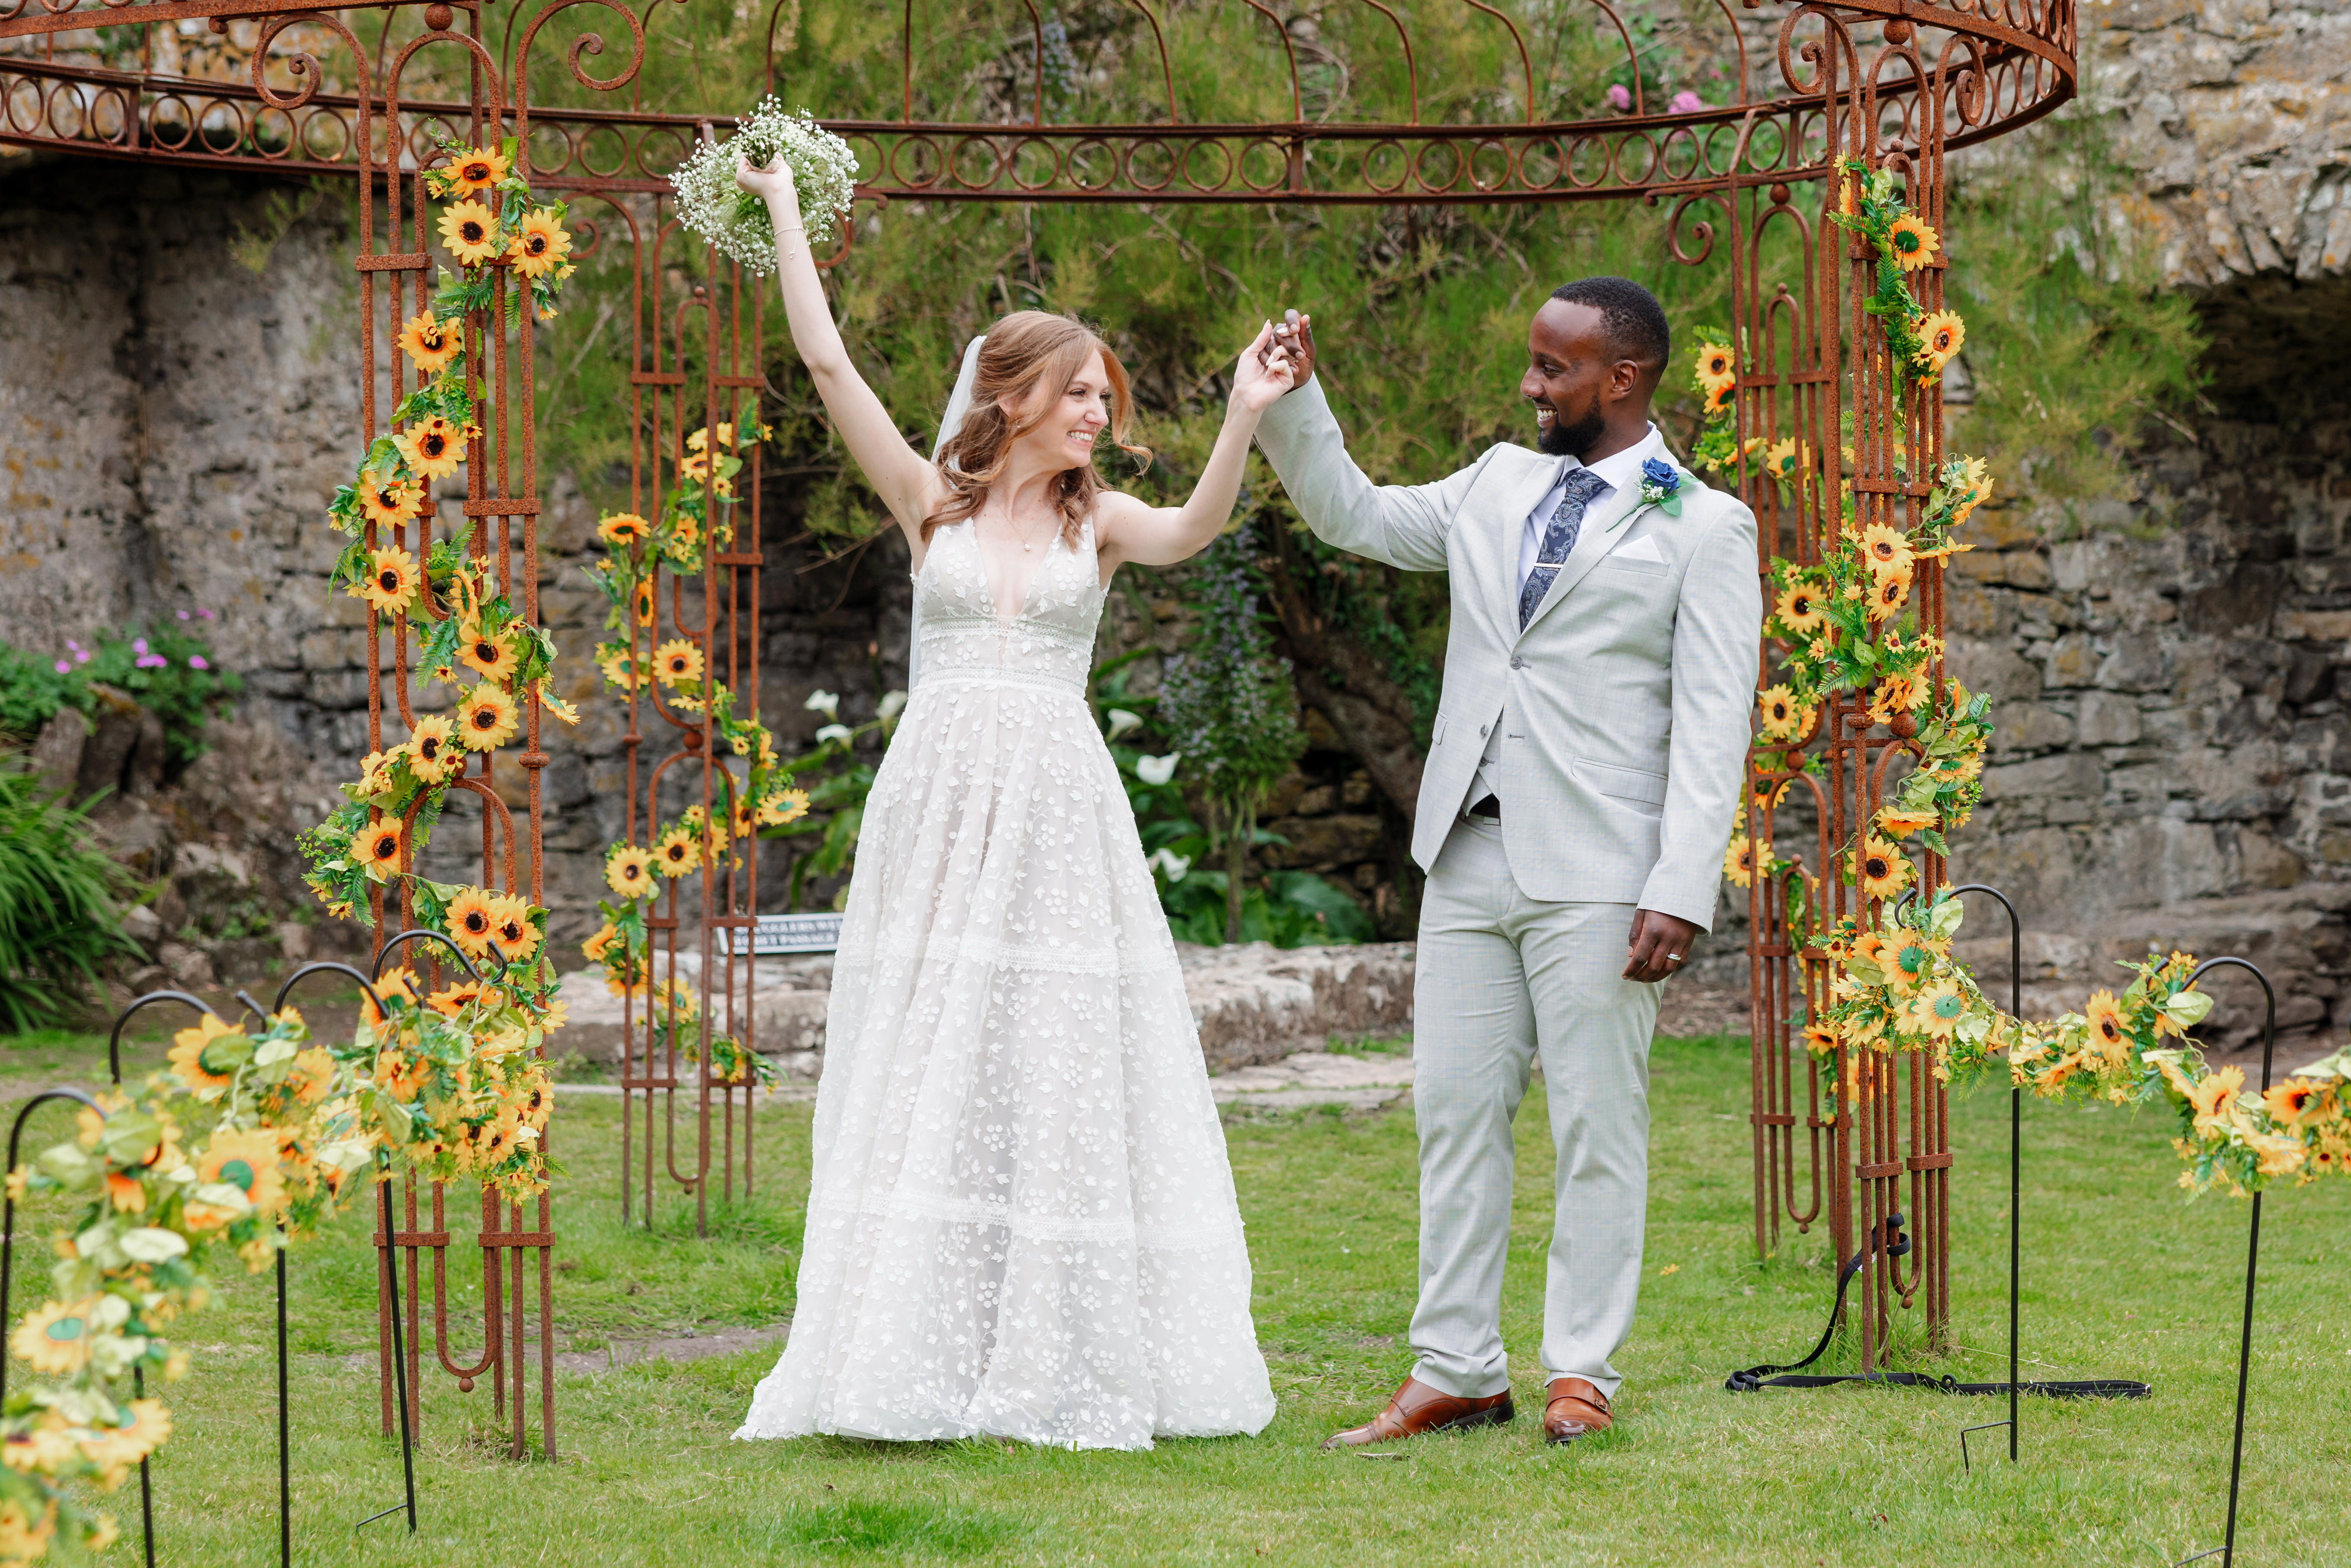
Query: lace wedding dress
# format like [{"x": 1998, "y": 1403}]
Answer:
[{"x": 1020, "y": 1219}]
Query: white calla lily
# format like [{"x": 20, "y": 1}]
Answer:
[
  {"x": 824, "y": 702},
  {"x": 834, "y": 732},
  {"x": 1168, "y": 863},
  {"x": 893, "y": 705},
  {"x": 1157, "y": 770},
  {"x": 1121, "y": 721}
]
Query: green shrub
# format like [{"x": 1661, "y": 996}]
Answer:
[
  {"x": 60, "y": 903},
  {"x": 167, "y": 671}
]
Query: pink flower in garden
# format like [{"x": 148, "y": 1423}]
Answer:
[
  {"x": 1686, "y": 102},
  {"x": 196, "y": 661},
  {"x": 204, "y": 612},
  {"x": 64, "y": 668},
  {"x": 139, "y": 644},
  {"x": 1619, "y": 97},
  {"x": 184, "y": 615}
]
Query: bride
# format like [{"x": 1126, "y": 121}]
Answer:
[{"x": 1020, "y": 1219}]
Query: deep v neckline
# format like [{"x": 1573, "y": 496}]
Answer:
[{"x": 1028, "y": 585}]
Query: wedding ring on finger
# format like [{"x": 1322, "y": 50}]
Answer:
[{"x": 1673, "y": 958}]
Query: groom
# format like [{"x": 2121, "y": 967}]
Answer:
[{"x": 1584, "y": 774}]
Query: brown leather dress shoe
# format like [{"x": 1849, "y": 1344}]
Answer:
[
  {"x": 1575, "y": 1407},
  {"x": 1416, "y": 1408}
]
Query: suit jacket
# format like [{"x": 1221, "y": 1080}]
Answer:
[{"x": 1629, "y": 694}]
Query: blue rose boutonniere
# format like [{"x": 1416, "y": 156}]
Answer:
[{"x": 1661, "y": 486}]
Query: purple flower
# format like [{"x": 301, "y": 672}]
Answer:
[
  {"x": 1686, "y": 102},
  {"x": 196, "y": 661},
  {"x": 64, "y": 668},
  {"x": 81, "y": 656},
  {"x": 74, "y": 646},
  {"x": 139, "y": 644},
  {"x": 184, "y": 615},
  {"x": 205, "y": 613},
  {"x": 1619, "y": 99}
]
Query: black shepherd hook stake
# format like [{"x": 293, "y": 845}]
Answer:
[
  {"x": 138, "y": 1375},
  {"x": 421, "y": 934},
  {"x": 285, "y": 1434},
  {"x": 2015, "y": 1169},
  {"x": 2227, "y": 1550}
]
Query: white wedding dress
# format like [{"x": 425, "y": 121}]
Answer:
[{"x": 1020, "y": 1218}]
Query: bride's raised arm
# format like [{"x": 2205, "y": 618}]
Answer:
[
  {"x": 899, "y": 474},
  {"x": 1129, "y": 529}
]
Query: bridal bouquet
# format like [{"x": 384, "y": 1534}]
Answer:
[{"x": 824, "y": 171}]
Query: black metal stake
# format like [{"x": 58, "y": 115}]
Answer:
[
  {"x": 285, "y": 1434},
  {"x": 399, "y": 1358},
  {"x": 2227, "y": 1550},
  {"x": 2015, "y": 1172}
]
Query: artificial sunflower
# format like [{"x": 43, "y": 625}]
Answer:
[
  {"x": 1880, "y": 868},
  {"x": 434, "y": 447},
  {"x": 2295, "y": 1101},
  {"x": 401, "y": 984},
  {"x": 1719, "y": 396},
  {"x": 1976, "y": 474},
  {"x": 451, "y": 1000},
  {"x": 55, "y": 1338},
  {"x": 2213, "y": 1098},
  {"x": 2277, "y": 1154},
  {"x": 430, "y": 342},
  {"x": 623, "y": 530},
  {"x": 694, "y": 465},
  {"x": 2109, "y": 1030},
  {"x": 470, "y": 230},
  {"x": 517, "y": 937},
  {"x": 620, "y": 666},
  {"x": 601, "y": 942},
  {"x": 486, "y": 718},
  {"x": 1911, "y": 242},
  {"x": 1895, "y": 694},
  {"x": 431, "y": 756},
  {"x": 1781, "y": 714},
  {"x": 391, "y": 503},
  {"x": 1800, "y": 607},
  {"x": 246, "y": 1160},
  {"x": 1716, "y": 364},
  {"x": 390, "y": 582},
  {"x": 472, "y": 920},
  {"x": 486, "y": 653},
  {"x": 1886, "y": 548},
  {"x": 643, "y": 601},
  {"x": 541, "y": 244},
  {"x": 377, "y": 849},
  {"x": 783, "y": 806},
  {"x": 472, "y": 169},
  {"x": 700, "y": 438},
  {"x": 1940, "y": 1008},
  {"x": 1889, "y": 593},
  {"x": 628, "y": 871},
  {"x": 1781, "y": 459},
  {"x": 1941, "y": 336},
  {"x": 187, "y": 1055},
  {"x": 1901, "y": 823},
  {"x": 678, "y": 663},
  {"x": 1738, "y": 861},
  {"x": 677, "y": 851},
  {"x": 1908, "y": 959},
  {"x": 146, "y": 1427}
]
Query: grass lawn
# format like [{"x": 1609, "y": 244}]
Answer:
[{"x": 2124, "y": 1278}]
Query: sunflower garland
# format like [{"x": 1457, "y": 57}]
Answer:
[
  {"x": 1919, "y": 344},
  {"x": 252, "y": 1138}
]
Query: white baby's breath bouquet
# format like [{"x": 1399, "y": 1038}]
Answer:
[{"x": 709, "y": 203}]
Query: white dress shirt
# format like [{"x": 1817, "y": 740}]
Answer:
[{"x": 1615, "y": 472}]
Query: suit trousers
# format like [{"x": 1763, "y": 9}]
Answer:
[{"x": 1501, "y": 977}]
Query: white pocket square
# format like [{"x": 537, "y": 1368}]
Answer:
[{"x": 1643, "y": 548}]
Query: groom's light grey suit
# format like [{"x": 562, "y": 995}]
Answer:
[{"x": 1613, "y": 729}]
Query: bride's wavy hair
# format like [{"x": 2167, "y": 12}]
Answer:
[{"x": 1026, "y": 349}]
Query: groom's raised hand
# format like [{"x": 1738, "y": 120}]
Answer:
[
  {"x": 1659, "y": 945},
  {"x": 1294, "y": 336}
]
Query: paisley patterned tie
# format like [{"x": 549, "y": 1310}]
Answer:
[{"x": 1575, "y": 493}]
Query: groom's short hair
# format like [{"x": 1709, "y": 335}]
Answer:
[{"x": 1635, "y": 321}]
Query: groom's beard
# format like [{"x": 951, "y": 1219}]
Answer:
[{"x": 1565, "y": 439}]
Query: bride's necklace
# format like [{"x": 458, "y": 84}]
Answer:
[{"x": 1026, "y": 544}]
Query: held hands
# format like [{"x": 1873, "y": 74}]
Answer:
[
  {"x": 1264, "y": 371},
  {"x": 772, "y": 185},
  {"x": 1294, "y": 336},
  {"x": 1658, "y": 946}
]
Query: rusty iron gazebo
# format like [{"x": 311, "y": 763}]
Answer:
[{"x": 1831, "y": 1141}]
